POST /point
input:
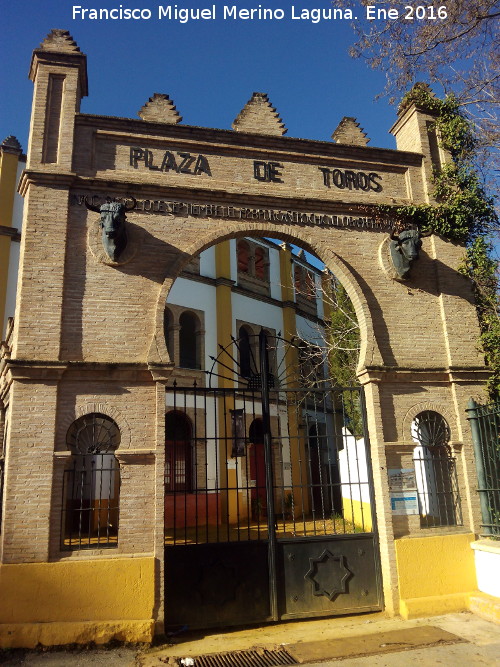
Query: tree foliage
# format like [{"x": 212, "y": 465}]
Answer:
[
  {"x": 463, "y": 210},
  {"x": 459, "y": 51},
  {"x": 463, "y": 213},
  {"x": 334, "y": 345},
  {"x": 483, "y": 271}
]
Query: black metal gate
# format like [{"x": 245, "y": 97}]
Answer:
[
  {"x": 485, "y": 425},
  {"x": 269, "y": 510}
]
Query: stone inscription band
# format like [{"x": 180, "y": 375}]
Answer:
[{"x": 183, "y": 209}]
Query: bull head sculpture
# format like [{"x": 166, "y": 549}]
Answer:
[
  {"x": 405, "y": 248},
  {"x": 112, "y": 223}
]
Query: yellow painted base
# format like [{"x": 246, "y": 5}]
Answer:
[
  {"x": 434, "y": 605},
  {"x": 76, "y": 602},
  {"x": 31, "y": 635},
  {"x": 436, "y": 574},
  {"x": 359, "y": 513}
]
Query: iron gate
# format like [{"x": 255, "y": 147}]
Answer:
[{"x": 269, "y": 510}]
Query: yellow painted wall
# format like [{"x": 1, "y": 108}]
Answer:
[
  {"x": 359, "y": 513},
  {"x": 436, "y": 574},
  {"x": 79, "y": 600},
  {"x": 229, "y": 499}
]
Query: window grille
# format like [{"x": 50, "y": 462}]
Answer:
[
  {"x": 91, "y": 485},
  {"x": 178, "y": 453},
  {"x": 435, "y": 470}
]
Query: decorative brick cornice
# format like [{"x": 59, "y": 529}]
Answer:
[
  {"x": 63, "y": 179},
  {"x": 35, "y": 370},
  {"x": 244, "y": 142},
  {"x": 438, "y": 375}
]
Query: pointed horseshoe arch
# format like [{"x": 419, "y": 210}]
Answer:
[{"x": 369, "y": 351}]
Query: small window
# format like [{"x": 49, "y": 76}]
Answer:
[
  {"x": 91, "y": 486},
  {"x": 271, "y": 352},
  {"x": 189, "y": 343},
  {"x": 260, "y": 263},
  {"x": 245, "y": 353},
  {"x": 253, "y": 267},
  {"x": 243, "y": 257},
  {"x": 435, "y": 471},
  {"x": 297, "y": 276},
  {"x": 178, "y": 453},
  {"x": 310, "y": 289}
]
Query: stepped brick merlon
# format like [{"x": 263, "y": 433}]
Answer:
[
  {"x": 60, "y": 40},
  {"x": 57, "y": 50},
  {"x": 350, "y": 133},
  {"x": 258, "y": 116},
  {"x": 160, "y": 109},
  {"x": 11, "y": 145}
]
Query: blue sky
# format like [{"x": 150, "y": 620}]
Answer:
[{"x": 209, "y": 68}]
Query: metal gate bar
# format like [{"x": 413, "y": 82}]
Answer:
[
  {"x": 269, "y": 508},
  {"x": 320, "y": 482}
]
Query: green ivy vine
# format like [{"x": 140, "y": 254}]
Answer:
[{"x": 464, "y": 213}]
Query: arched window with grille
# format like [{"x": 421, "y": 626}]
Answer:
[
  {"x": 178, "y": 452},
  {"x": 91, "y": 488},
  {"x": 435, "y": 471},
  {"x": 189, "y": 342}
]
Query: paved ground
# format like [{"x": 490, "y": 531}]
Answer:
[{"x": 455, "y": 640}]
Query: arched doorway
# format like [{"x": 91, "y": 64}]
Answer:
[{"x": 178, "y": 470}]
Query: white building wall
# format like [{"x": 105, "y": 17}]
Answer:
[
  {"x": 353, "y": 469},
  {"x": 308, "y": 330},
  {"x": 198, "y": 296},
  {"x": 256, "y": 312},
  {"x": 274, "y": 273},
  {"x": 207, "y": 263}
]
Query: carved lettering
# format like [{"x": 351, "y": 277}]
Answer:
[
  {"x": 187, "y": 161},
  {"x": 267, "y": 171},
  {"x": 169, "y": 162},
  {"x": 353, "y": 180},
  {"x": 179, "y": 208}
]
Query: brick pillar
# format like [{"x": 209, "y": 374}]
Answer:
[
  {"x": 59, "y": 72},
  {"x": 28, "y": 470}
]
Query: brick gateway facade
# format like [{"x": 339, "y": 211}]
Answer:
[{"x": 89, "y": 337}]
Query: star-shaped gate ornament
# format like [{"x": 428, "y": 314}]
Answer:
[{"x": 328, "y": 574}]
